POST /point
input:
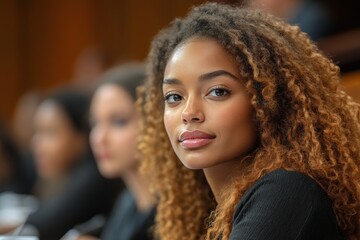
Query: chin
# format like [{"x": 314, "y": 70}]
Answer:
[
  {"x": 45, "y": 175},
  {"x": 195, "y": 161},
  {"x": 108, "y": 171}
]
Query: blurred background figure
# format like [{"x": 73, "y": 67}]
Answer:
[
  {"x": 334, "y": 25},
  {"x": 60, "y": 137},
  {"x": 22, "y": 121},
  {"x": 115, "y": 126},
  {"x": 15, "y": 203},
  {"x": 23, "y": 129},
  {"x": 69, "y": 186},
  {"x": 318, "y": 18},
  {"x": 12, "y": 169},
  {"x": 312, "y": 16}
]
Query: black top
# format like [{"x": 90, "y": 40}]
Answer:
[
  {"x": 127, "y": 223},
  {"x": 285, "y": 205},
  {"x": 87, "y": 194}
]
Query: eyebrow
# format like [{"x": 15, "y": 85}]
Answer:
[{"x": 203, "y": 77}]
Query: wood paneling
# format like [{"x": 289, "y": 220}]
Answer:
[
  {"x": 10, "y": 56},
  {"x": 56, "y": 32},
  {"x": 40, "y": 40}
]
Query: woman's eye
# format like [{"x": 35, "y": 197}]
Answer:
[
  {"x": 120, "y": 122},
  {"x": 218, "y": 92},
  {"x": 173, "y": 98}
]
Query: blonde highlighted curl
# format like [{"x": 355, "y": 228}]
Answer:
[{"x": 306, "y": 123}]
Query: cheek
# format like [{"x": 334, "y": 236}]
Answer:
[
  {"x": 171, "y": 123},
  {"x": 55, "y": 147},
  {"x": 237, "y": 125},
  {"x": 58, "y": 154},
  {"x": 124, "y": 142},
  {"x": 67, "y": 150},
  {"x": 93, "y": 140},
  {"x": 66, "y": 145}
]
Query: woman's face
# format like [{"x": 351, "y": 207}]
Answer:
[
  {"x": 114, "y": 130},
  {"x": 56, "y": 144},
  {"x": 208, "y": 116}
]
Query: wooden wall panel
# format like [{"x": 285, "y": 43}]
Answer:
[
  {"x": 127, "y": 27},
  {"x": 41, "y": 39},
  {"x": 10, "y": 57},
  {"x": 56, "y": 32}
]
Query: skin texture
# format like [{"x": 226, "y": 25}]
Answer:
[
  {"x": 114, "y": 130},
  {"x": 217, "y": 105},
  {"x": 57, "y": 145}
]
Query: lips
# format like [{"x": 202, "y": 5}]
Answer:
[
  {"x": 103, "y": 156},
  {"x": 195, "y": 139}
]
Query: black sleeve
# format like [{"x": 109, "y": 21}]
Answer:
[
  {"x": 86, "y": 195},
  {"x": 285, "y": 205}
]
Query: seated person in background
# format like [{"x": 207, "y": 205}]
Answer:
[
  {"x": 311, "y": 16},
  {"x": 15, "y": 204},
  {"x": 22, "y": 119},
  {"x": 12, "y": 172},
  {"x": 113, "y": 139},
  {"x": 22, "y": 125},
  {"x": 319, "y": 19},
  {"x": 69, "y": 186}
]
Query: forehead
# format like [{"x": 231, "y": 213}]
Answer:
[
  {"x": 111, "y": 96},
  {"x": 199, "y": 54},
  {"x": 49, "y": 109},
  {"x": 51, "y": 113}
]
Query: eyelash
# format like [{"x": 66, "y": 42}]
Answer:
[
  {"x": 226, "y": 90},
  {"x": 171, "y": 94}
]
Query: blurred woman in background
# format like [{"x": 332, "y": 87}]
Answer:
[
  {"x": 69, "y": 185},
  {"x": 113, "y": 138}
]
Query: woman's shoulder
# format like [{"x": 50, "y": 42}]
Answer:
[
  {"x": 285, "y": 204},
  {"x": 287, "y": 184}
]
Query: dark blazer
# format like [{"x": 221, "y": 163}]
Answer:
[{"x": 127, "y": 223}]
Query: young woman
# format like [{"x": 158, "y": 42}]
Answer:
[
  {"x": 70, "y": 187},
  {"x": 113, "y": 138},
  {"x": 246, "y": 133}
]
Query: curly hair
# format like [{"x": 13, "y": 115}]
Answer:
[{"x": 306, "y": 123}]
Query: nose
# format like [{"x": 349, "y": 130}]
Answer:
[
  {"x": 193, "y": 112},
  {"x": 98, "y": 135}
]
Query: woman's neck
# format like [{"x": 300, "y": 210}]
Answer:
[
  {"x": 137, "y": 185},
  {"x": 221, "y": 177}
]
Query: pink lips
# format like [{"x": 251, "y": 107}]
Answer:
[
  {"x": 195, "y": 139},
  {"x": 103, "y": 156}
]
